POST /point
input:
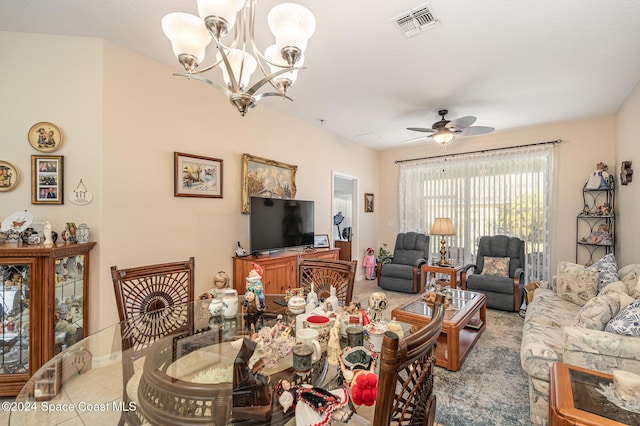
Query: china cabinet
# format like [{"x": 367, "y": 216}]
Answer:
[
  {"x": 43, "y": 306},
  {"x": 595, "y": 225}
]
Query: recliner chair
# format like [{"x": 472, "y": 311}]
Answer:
[
  {"x": 402, "y": 273},
  {"x": 503, "y": 292}
]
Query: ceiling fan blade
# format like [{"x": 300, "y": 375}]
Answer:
[
  {"x": 461, "y": 123},
  {"x": 476, "y": 130},
  {"x": 418, "y": 139},
  {"x": 421, "y": 129}
]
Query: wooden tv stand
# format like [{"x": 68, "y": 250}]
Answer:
[{"x": 279, "y": 268}]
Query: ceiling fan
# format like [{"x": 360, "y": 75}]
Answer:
[{"x": 445, "y": 131}]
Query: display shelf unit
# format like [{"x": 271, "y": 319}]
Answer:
[
  {"x": 43, "y": 306},
  {"x": 598, "y": 211}
]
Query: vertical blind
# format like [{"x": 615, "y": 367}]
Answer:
[{"x": 504, "y": 192}]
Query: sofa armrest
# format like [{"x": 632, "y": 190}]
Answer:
[
  {"x": 463, "y": 274},
  {"x": 600, "y": 350}
]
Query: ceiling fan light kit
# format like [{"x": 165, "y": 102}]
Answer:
[
  {"x": 445, "y": 131},
  {"x": 292, "y": 25}
]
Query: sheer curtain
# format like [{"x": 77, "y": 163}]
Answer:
[{"x": 486, "y": 193}]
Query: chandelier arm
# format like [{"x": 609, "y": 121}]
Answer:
[
  {"x": 253, "y": 89},
  {"x": 235, "y": 83},
  {"x": 215, "y": 84},
  {"x": 264, "y": 95}
]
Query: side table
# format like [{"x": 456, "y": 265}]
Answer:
[
  {"x": 429, "y": 270},
  {"x": 574, "y": 399}
]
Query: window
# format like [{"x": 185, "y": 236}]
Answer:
[{"x": 487, "y": 193}]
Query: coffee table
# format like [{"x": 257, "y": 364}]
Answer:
[
  {"x": 574, "y": 399},
  {"x": 464, "y": 322}
]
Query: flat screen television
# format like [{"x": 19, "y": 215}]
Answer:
[{"x": 276, "y": 224}]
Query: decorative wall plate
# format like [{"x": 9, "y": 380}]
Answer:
[
  {"x": 17, "y": 222},
  {"x": 45, "y": 137},
  {"x": 9, "y": 176}
]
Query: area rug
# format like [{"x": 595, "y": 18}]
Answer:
[{"x": 490, "y": 388}]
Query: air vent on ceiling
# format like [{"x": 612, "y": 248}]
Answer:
[{"x": 415, "y": 21}]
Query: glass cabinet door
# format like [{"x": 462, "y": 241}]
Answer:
[
  {"x": 69, "y": 301},
  {"x": 15, "y": 292}
]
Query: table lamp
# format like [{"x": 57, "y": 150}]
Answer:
[{"x": 443, "y": 226}]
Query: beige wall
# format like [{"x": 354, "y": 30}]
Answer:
[
  {"x": 628, "y": 149},
  {"x": 585, "y": 143},
  {"x": 123, "y": 116}
]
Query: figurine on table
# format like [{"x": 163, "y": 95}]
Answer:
[
  {"x": 247, "y": 379},
  {"x": 254, "y": 283},
  {"x": 251, "y": 303},
  {"x": 334, "y": 348},
  {"x": 220, "y": 284},
  {"x": 369, "y": 264},
  {"x": 314, "y": 405}
]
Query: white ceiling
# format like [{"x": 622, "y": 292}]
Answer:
[{"x": 511, "y": 63}]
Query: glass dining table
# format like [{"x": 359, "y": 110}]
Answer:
[{"x": 184, "y": 377}]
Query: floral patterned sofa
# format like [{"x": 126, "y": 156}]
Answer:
[{"x": 587, "y": 317}]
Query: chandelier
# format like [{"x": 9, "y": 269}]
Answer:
[{"x": 238, "y": 56}]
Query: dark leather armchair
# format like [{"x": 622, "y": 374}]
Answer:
[
  {"x": 402, "y": 272},
  {"x": 503, "y": 292}
]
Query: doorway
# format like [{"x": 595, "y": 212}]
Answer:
[{"x": 343, "y": 214}]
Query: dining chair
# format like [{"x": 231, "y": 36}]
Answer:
[
  {"x": 142, "y": 290},
  {"x": 405, "y": 384},
  {"x": 325, "y": 274}
]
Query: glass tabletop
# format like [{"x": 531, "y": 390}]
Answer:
[
  {"x": 188, "y": 373},
  {"x": 458, "y": 301}
]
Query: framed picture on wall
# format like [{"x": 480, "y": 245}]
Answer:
[
  {"x": 197, "y": 176},
  {"x": 266, "y": 178},
  {"x": 47, "y": 172},
  {"x": 368, "y": 203}
]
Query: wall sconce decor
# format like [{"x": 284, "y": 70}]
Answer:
[{"x": 626, "y": 172}]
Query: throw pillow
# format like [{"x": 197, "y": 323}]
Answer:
[
  {"x": 627, "y": 321},
  {"x": 576, "y": 283},
  {"x": 630, "y": 275},
  {"x": 496, "y": 266},
  {"x": 608, "y": 270},
  {"x": 597, "y": 312}
]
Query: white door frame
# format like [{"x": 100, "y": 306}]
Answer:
[{"x": 354, "y": 208}]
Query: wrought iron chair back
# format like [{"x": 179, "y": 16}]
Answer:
[{"x": 405, "y": 385}]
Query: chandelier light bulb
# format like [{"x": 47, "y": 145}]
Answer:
[
  {"x": 187, "y": 34},
  {"x": 278, "y": 63},
  {"x": 236, "y": 58},
  {"x": 292, "y": 24},
  {"x": 224, "y": 9}
]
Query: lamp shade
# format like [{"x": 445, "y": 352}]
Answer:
[
  {"x": 236, "y": 58},
  {"x": 187, "y": 34},
  {"x": 225, "y": 9},
  {"x": 442, "y": 226},
  {"x": 292, "y": 24},
  {"x": 444, "y": 137},
  {"x": 278, "y": 63}
]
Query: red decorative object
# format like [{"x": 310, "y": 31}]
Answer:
[{"x": 364, "y": 388}]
